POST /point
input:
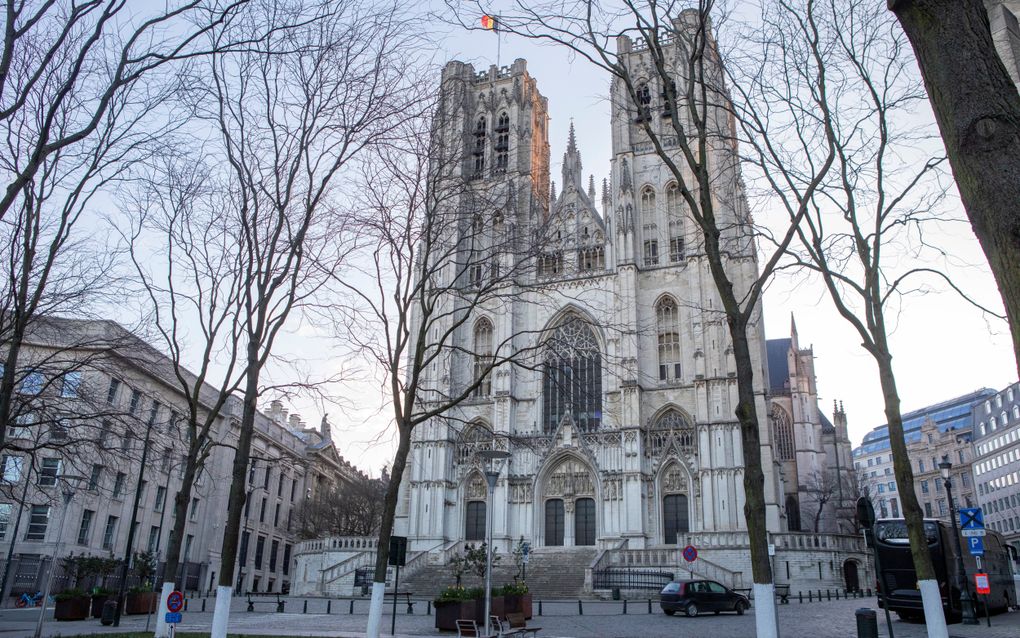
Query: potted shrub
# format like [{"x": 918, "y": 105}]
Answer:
[
  {"x": 72, "y": 604},
  {"x": 141, "y": 599},
  {"x": 517, "y": 599},
  {"x": 458, "y": 603}
]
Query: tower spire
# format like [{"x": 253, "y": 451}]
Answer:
[{"x": 572, "y": 164}]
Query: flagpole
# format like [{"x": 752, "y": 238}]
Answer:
[{"x": 499, "y": 40}]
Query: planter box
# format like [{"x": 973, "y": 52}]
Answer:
[
  {"x": 448, "y": 613},
  {"x": 141, "y": 603},
  {"x": 518, "y": 604},
  {"x": 97, "y": 604},
  {"x": 71, "y": 609}
]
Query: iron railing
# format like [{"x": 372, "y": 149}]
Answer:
[{"x": 613, "y": 577}]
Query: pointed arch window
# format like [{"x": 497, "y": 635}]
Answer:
[
  {"x": 782, "y": 434},
  {"x": 644, "y": 102},
  {"x": 572, "y": 377},
  {"x": 676, "y": 224},
  {"x": 502, "y": 146},
  {"x": 474, "y": 438},
  {"x": 483, "y": 358},
  {"x": 648, "y": 229},
  {"x": 673, "y": 426},
  {"x": 667, "y": 320},
  {"x": 478, "y": 151}
]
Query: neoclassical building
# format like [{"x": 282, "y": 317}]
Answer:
[{"x": 623, "y": 431}]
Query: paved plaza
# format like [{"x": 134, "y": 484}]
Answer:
[{"x": 559, "y": 620}]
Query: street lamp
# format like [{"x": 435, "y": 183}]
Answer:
[
  {"x": 493, "y": 464},
  {"x": 966, "y": 603},
  {"x": 70, "y": 482}
]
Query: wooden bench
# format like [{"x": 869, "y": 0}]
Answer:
[
  {"x": 279, "y": 602},
  {"x": 783, "y": 594},
  {"x": 407, "y": 596},
  {"x": 518, "y": 623},
  {"x": 469, "y": 628}
]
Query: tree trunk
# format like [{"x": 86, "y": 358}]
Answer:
[
  {"x": 930, "y": 595},
  {"x": 173, "y": 548},
  {"x": 766, "y": 620},
  {"x": 235, "y": 502},
  {"x": 386, "y": 530},
  {"x": 977, "y": 108}
]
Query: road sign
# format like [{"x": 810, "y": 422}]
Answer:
[
  {"x": 976, "y": 546},
  {"x": 981, "y": 584},
  {"x": 690, "y": 554},
  {"x": 173, "y": 617},
  {"x": 175, "y": 602},
  {"x": 971, "y": 518},
  {"x": 772, "y": 549},
  {"x": 972, "y": 532},
  {"x": 398, "y": 550}
]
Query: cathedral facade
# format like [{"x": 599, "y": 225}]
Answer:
[{"x": 625, "y": 429}]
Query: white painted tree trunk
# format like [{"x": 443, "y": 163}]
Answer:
[
  {"x": 934, "y": 617},
  {"x": 221, "y": 613},
  {"x": 375, "y": 609},
  {"x": 161, "y": 626},
  {"x": 766, "y": 621}
]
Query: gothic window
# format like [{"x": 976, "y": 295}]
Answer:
[
  {"x": 648, "y": 205},
  {"x": 591, "y": 258},
  {"x": 793, "y": 513},
  {"x": 651, "y": 248},
  {"x": 667, "y": 319},
  {"x": 673, "y": 426},
  {"x": 644, "y": 102},
  {"x": 478, "y": 152},
  {"x": 782, "y": 434},
  {"x": 483, "y": 357},
  {"x": 502, "y": 147},
  {"x": 572, "y": 377},
  {"x": 474, "y": 438},
  {"x": 550, "y": 264},
  {"x": 676, "y": 224}
]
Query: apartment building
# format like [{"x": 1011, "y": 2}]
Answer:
[{"x": 997, "y": 461}]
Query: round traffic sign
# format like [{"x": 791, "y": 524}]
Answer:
[
  {"x": 175, "y": 601},
  {"x": 690, "y": 554}
]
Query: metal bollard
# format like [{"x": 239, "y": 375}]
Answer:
[
  {"x": 185, "y": 604},
  {"x": 540, "y": 608},
  {"x": 867, "y": 623},
  {"x": 304, "y": 610},
  {"x": 819, "y": 595},
  {"x": 203, "y": 604},
  {"x": 352, "y": 606},
  {"x": 624, "y": 606},
  {"x": 810, "y": 596},
  {"x": 800, "y": 597},
  {"x": 649, "y": 605},
  {"x": 828, "y": 595},
  {"x": 329, "y": 606},
  {"x": 580, "y": 608},
  {"x": 428, "y": 607},
  {"x": 280, "y": 605}
]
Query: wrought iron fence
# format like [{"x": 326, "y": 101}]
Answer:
[{"x": 624, "y": 578}]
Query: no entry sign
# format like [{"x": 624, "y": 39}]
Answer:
[
  {"x": 175, "y": 602},
  {"x": 690, "y": 554}
]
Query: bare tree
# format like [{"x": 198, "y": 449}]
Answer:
[
  {"x": 350, "y": 509},
  {"x": 74, "y": 96},
  {"x": 977, "y": 108},
  {"x": 865, "y": 234}
]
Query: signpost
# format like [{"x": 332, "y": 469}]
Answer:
[
  {"x": 397, "y": 557},
  {"x": 972, "y": 522},
  {"x": 972, "y": 527},
  {"x": 174, "y": 605}
]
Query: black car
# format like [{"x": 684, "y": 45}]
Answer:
[{"x": 695, "y": 596}]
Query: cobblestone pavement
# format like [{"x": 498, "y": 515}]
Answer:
[{"x": 833, "y": 619}]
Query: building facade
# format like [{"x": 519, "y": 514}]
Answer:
[
  {"x": 997, "y": 461},
  {"x": 625, "y": 434},
  {"x": 90, "y": 395}
]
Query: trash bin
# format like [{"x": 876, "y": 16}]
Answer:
[
  {"x": 616, "y": 593},
  {"x": 867, "y": 623},
  {"x": 109, "y": 611}
]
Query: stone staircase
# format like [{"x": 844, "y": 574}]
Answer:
[{"x": 553, "y": 572}]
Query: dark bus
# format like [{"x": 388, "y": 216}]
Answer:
[{"x": 898, "y": 580}]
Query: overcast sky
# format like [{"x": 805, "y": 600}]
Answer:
[{"x": 942, "y": 346}]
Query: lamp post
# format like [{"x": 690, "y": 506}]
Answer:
[
  {"x": 68, "y": 493},
  {"x": 966, "y": 603},
  {"x": 493, "y": 465}
]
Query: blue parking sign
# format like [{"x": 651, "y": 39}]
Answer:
[
  {"x": 173, "y": 617},
  {"x": 971, "y": 518},
  {"x": 976, "y": 545}
]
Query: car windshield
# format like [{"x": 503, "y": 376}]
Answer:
[
  {"x": 671, "y": 588},
  {"x": 896, "y": 532}
]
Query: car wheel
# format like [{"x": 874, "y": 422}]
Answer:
[
  {"x": 669, "y": 612},
  {"x": 740, "y": 607},
  {"x": 691, "y": 610}
]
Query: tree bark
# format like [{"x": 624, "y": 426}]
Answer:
[{"x": 977, "y": 108}]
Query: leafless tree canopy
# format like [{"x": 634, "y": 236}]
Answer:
[{"x": 350, "y": 509}]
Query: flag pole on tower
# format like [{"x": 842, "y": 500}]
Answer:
[{"x": 492, "y": 23}]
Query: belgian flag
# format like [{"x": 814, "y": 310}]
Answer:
[{"x": 489, "y": 22}]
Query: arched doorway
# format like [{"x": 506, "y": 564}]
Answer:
[
  {"x": 554, "y": 522},
  {"x": 474, "y": 523},
  {"x": 674, "y": 517},
  {"x": 851, "y": 579},
  {"x": 584, "y": 521}
]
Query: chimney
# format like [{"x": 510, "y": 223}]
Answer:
[{"x": 295, "y": 421}]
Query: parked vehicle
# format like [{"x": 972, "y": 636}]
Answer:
[
  {"x": 35, "y": 600},
  {"x": 695, "y": 596}
]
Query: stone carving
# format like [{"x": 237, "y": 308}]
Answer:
[
  {"x": 520, "y": 491},
  {"x": 673, "y": 431},
  {"x": 674, "y": 480},
  {"x": 612, "y": 489},
  {"x": 475, "y": 489},
  {"x": 570, "y": 478}
]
